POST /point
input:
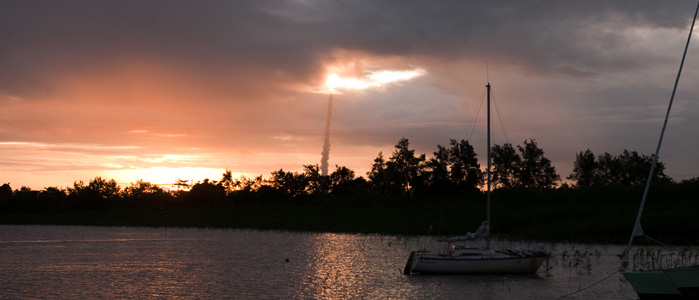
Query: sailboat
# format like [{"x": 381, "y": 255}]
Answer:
[
  {"x": 462, "y": 259},
  {"x": 670, "y": 283}
]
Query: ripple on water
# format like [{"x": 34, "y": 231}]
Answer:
[{"x": 70, "y": 262}]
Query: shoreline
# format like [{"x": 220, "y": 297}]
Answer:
[{"x": 558, "y": 223}]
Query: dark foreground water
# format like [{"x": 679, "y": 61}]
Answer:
[{"x": 66, "y": 262}]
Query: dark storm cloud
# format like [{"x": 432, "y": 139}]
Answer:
[
  {"x": 574, "y": 36},
  {"x": 285, "y": 41},
  {"x": 45, "y": 40}
]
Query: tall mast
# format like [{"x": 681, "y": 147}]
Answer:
[
  {"x": 637, "y": 230},
  {"x": 488, "y": 168}
]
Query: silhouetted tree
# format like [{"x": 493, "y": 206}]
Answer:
[
  {"x": 439, "y": 164},
  {"x": 25, "y": 200},
  {"x": 535, "y": 170},
  {"x": 439, "y": 180},
  {"x": 608, "y": 170},
  {"x": 242, "y": 189},
  {"x": 628, "y": 168},
  {"x": 635, "y": 168},
  {"x": 585, "y": 169},
  {"x": 141, "y": 188},
  {"x": 505, "y": 166},
  {"x": 95, "y": 195},
  {"x": 245, "y": 184},
  {"x": 205, "y": 193},
  {"x": 315, "y": 182},
  {"x": 290, "y": 184},
  {"x": 465, "y": 170},
  {"x": 181, "y": 184},
  {"x": 5, "y": 197},
  {"x": 143, "y": 194},
  {"x": 227, "y": 181},
  {"x": 5, "y": 191},
  {"x": 53, "y": 198},
  {"x": 405, "y": 171},
  {"x": 342, "y": 181},
  {"x": 105, "y": 188},
  {"x": 378, "y": 176}
]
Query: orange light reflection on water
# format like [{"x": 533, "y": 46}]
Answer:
[{"x": 337, "y": 262}]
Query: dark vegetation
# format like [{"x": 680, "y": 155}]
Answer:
[{"x": 402, "y": 194}]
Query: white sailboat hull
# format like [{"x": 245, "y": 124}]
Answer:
[{"x": 501, "y": 264}]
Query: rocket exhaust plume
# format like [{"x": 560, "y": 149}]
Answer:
[
  {"x": 326, "y": 142},
  {"x": 371, "y": 79}
]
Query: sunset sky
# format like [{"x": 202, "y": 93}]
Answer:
[{"x": 161, "y": 90}]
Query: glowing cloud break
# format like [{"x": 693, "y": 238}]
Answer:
[{"x": 372, "y": 79}]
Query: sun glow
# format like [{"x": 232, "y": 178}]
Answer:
[
  {"x": 166, "y": 176},
  {"x": 372, "y": 79},
  {"x": 332, "y": 81},
  {"x": 388, "y": 76}
]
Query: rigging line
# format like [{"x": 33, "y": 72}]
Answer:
[
  {"x": 497, "y": 112},
  {"x": 654, "y": 240},
  {"x": 474, "y": 119},
  {"x": 660, "y": 142},
  {"x": 589, "y": 286}
]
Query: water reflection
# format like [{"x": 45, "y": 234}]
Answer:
[
  {"x": 336, "y": 263},
  {"x": 52, "y": 262}
]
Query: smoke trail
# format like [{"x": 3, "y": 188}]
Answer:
[{"x": 326, "y": 143}]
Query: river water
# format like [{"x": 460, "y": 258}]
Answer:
[{"x": 72, "y": 262}]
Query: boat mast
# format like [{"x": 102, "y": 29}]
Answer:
[
  {"x": 488, "y": 167},
  {"x": 637, "y": 231}
]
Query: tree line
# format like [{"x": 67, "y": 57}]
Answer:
[{"x": 453, "y": 170}]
